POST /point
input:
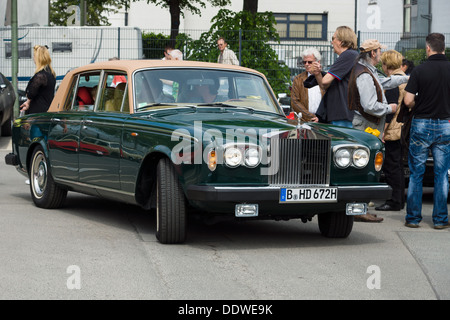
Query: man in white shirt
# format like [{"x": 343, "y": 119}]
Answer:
[
  {"x": 227, "y": 56},
  {"x": 306, "y": 100}
]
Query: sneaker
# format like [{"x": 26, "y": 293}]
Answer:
[
  {"x": 27, "y": 181},
  {"x": 441, "y": 226},
  {"x": 411, "y": 225}
]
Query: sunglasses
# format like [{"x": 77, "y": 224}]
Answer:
[{"x": 308, "y": 62}]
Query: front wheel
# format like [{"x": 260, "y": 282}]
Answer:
[
  {"x": 45, "y": 193},
  {"x": 335, "y": 224},
  {"x": 170, "y": 205}
]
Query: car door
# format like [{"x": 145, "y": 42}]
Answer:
[
  {"x": 100, "y": 135},
  {"x": 7, "y": 98},
  {"x": 65, "y": 128}
]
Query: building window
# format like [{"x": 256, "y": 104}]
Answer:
[
  {"x": 407, "y": 16},
  {"x": 23, "y": 47},
  {"x": 294, "y": 26}
]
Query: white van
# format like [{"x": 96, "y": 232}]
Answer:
[{"x": 69, "y": 47}]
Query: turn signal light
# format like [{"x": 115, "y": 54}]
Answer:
[
  {"x": 378, "y": 161},
  {"x": 212, "y": 160}
]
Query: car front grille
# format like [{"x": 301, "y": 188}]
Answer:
[{"x": 300, "y": 162}]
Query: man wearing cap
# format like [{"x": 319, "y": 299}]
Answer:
[
  {"x": 430, "y": 131},
  {"x": 366, "y": 97},
  {"x": 366, "y": 90}
]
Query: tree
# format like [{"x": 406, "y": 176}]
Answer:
[
  {"x": 96, "y": 11},
  {"x": 251, "y": 6},
  {"x": 248, "y": 34},
  {"x": 178, "y": 7}
]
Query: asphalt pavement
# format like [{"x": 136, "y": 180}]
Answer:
[{"x": 98, "y": 249}]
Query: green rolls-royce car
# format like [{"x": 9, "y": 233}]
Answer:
[{"x": 194, "y": 138}]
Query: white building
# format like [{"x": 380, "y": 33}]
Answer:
[
  {"x": 29, "y": 12},
  {"x": 381, "y": 16},
  {"x": 331, "y": 13}
]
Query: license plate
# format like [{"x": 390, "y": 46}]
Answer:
[{"x": 298, "y": 195}]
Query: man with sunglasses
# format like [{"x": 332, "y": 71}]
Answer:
[{"x": 306, "y": 100}]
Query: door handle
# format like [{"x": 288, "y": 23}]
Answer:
[{"x": 86, "y": 122}]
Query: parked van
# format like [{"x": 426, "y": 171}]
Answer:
[{"x": 69, "y": 47}]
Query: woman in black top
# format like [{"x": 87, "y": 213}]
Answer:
[{"x": 41, "y": 88}]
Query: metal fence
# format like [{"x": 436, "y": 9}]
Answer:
[
  {"x": 288, "y": 52},
  {"x": 74, "y": 46}
]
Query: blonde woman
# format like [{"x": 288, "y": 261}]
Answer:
[
  {"x": 393, "y": 164},
  {"x": 41, "y": 87}
]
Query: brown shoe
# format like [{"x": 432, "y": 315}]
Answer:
[
  {"x": 440, "y": 226},
  {"x": 411, "y": 225},
  {"x": 367, "y": 218}
]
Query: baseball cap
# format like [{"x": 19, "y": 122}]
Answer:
[{"x": 371, "y": 44}]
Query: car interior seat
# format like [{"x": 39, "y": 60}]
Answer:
[
  {"x": 115, "y": 103},
  {"x": 84, "y": 97}
]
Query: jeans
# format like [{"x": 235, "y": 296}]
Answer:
[{"x": 425, "y": 135}]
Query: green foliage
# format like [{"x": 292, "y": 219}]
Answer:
[
  {"x": 153, "y": 44},
  {"x": 419, "y": 56},
  {"x": 249, "y": 36},
  {"x": 416, "y": 55},
  {"x": 187, "y": 5},
  {"x": 96, "y": 11}
]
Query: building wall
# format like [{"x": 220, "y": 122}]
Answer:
[
  {"x": 28, "y": 12},
  {"x": 440, "y": 22},
  {"x": 148, "y": 16},
  {"x": 380, "y": 15}
]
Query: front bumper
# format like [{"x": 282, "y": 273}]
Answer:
[
  {"x": 223, "y": 200},
  {"x": 272, "y": 194}
]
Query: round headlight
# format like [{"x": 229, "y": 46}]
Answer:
[
  {"x": 233, "y": 157},
  {"x": 342, "y": 158},
  {"x": 252, "y": 157},
  {"x": 360, "y": 158}
]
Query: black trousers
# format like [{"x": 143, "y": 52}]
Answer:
[{"x": 393, "y": 170}]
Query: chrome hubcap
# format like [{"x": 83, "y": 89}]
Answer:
[{"x": 39, "y": 175}]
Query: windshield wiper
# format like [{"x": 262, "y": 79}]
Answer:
[
  {"x": 156, "y": 104},
  {"x": 221, "y": 104}
]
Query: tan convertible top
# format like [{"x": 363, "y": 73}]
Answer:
[{"x": 129, "y": 66}]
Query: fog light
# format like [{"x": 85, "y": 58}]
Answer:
[
  {"x": 246, "y": 210},
  {"x": 356, "y": 209}
]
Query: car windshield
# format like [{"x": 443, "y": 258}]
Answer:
[{"x": 171, "y": 88}]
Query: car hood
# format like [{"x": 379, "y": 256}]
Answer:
[{"x": 249, "y": 122}]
